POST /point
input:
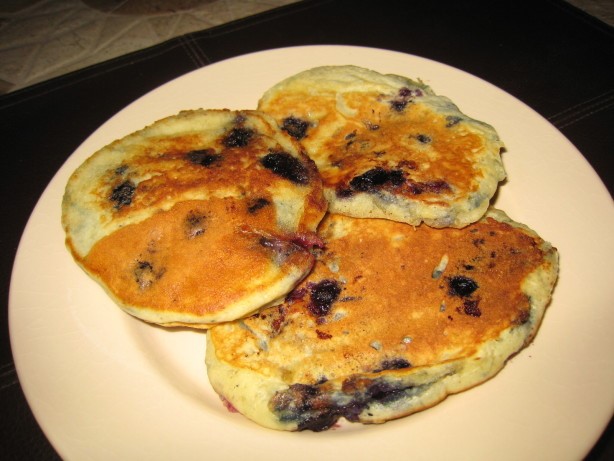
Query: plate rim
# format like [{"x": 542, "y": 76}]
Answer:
[{"x": 13, "y": 312}]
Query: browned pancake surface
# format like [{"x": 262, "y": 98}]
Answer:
[
  {"x": 391, "y": 320},
  {"x": 435, "y": 158},
  {"x": 199, "y": 218},
  {"x": 196, "y": 259},
  {"x": 390, "y": 306},
  {"x": 389, "y": 147}
]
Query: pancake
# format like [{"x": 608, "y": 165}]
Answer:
[
  {"x": 201, "y": 217},
  {"x": 388, "y": 146},
  {"x": 391, "y": 320}
]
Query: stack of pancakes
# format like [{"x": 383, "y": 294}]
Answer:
[{"x": 337, "y": 244}]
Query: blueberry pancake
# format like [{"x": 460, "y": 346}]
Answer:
[
  {"x": 199, "y": 218},
  {"x": 391, "y": 320},
  {"x": 389, "y": 147}
]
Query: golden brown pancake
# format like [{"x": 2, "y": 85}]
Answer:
[
  {"x": 388, "y": 146},
  {"x": 201, "y": 217},
  {"x": 391, "y": 320}
]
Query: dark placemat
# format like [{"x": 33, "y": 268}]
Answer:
[{"x": 548, "y": 54}]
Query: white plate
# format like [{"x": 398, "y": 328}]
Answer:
[{"x": 104, "y": 385}]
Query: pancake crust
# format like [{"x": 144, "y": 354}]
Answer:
[
  {"x": 199, "y": 218},
  {"x": 391, "y": 320},
  {"x": 389, "y": 147}
]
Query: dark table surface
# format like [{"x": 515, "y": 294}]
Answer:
[{"x": 546, "y": 53}]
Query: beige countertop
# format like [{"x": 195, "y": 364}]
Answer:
[{"x": 41, "y": 39}]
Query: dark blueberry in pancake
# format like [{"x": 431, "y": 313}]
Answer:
[
  {"x": 323, "y": 295},
  {"x": 145, "y": 274},
  {"x": 462, "y": 286},
  {"x": 393, "y": 364},
  {"x": 343, "y": 192},
  {"x": 295, "y": 127},
  {"x": 398, "y": 105},
  {"x": 403, "y": 97},
  {"x": 122, "y": 194},
  {"x": 285, "y": 165},
  {"x": 382, "y": 391},
  {"x": 323, "y": 335},
  {"x": 257, "y": 204},
  {"x": 470, "y": 307},
  {"x": 434, "y": 187},
  {"x": 376, "y": 178},
  {"x": 203, "y": 157},
  {"x": 238, "y": 137}
]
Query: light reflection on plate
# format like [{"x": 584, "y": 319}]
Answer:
[{"x": 104, "y": 385}]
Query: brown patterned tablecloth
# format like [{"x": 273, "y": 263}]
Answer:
[{"x": 548, "y": 54}]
